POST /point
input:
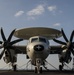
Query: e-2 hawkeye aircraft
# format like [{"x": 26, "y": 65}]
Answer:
[{"x": 38, "y": 47}]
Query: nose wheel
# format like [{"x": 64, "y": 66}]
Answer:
[
  {"x": 38, "y": 70},
  {"x": 35, "y": 69}
]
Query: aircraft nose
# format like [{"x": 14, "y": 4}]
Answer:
[{"x": 38, "y": 47}]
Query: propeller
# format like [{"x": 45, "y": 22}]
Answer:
[
  {"x": 7, "y": 44},
  {"x": 68, "y": 43}
]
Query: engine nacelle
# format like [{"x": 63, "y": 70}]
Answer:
[
  {"x": 6, "y": 59},
  {"x": 62, "y": 56},
  {"x": 65, "y": 56},
  {"x": 69, "y": 60},
  {"x": 10, "y": 58}
]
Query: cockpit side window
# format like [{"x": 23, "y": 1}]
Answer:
[
  {"x": 42, "y": 40},
  {"x": 34, "y": 39},
  {"x": 39, "y": 39}
]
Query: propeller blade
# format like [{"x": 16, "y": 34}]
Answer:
[
  {"x": 2, "y": 53},
  {"x": 73, "y": 44},
  {"x": 1, "y": 42},
  {"x": 2, "y": 34},
  {"x": 72, "y": 51},
  {"x": 64, "y": 36},
  {"x": 10, "y": 36},
  {"x": 15, "y": 41},
  {"x": 71, "y": 38},
  {"x": 60, "y": 42},
  {"x": 9, "y": 54}
]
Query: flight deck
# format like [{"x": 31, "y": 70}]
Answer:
[{"x": 31, "y": 72}]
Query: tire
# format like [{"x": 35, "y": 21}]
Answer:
[
  {"x": 14, "y": 68},
  {"x": 60, "y": 67},
  {"x": 40, "y": 69},
  {"x": 35, "y": 69},
  {"x": 27, "y": 56}
]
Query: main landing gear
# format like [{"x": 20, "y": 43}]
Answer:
[
  {"x": 61, "y": 67},
  {"x": 38, "y": 68},
  {"x": 14, "y": 67}
]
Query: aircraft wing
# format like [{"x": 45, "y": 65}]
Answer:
[
  {"x": 20, "y": 49},
  {"x": 55, "y": 49}
]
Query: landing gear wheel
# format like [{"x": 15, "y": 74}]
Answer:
[
  {"x": 35, "y": 69},
  {"x": 60, "y": 67},
  {"x": 27, "y": 56},
  {"x": 14, "y": 67},
  {"x": 40, "y": 69}
]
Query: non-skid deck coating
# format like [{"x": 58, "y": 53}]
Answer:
[{"x": 52, "y": 72}]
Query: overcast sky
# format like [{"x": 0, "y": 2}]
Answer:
[{"x": 37, "y": 13}]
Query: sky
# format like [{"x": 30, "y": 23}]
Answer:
[{"x": 37, "y": 13}]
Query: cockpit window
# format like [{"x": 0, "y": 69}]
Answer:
[
  {"x": 42, "y": 40},
  {"x": 34, "y": 39},
  {"x": 38, "y": 40}
]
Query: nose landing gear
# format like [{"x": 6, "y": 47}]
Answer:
[{"x": 38, "y": 69}]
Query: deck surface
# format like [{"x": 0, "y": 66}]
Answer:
[{"x": 52, "y": 72}]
